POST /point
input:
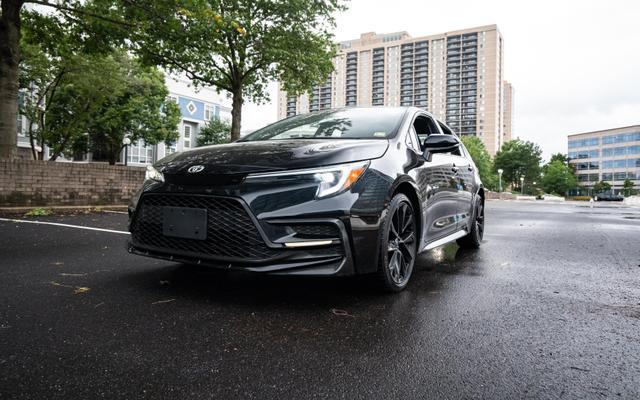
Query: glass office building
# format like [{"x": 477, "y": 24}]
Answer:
[{"x": 611, "y": 155}]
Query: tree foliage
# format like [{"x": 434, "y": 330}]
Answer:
[
  {"x": 216, "y": 131},
  {"x": 627, "y": 188},
  {"x": 60, "y": 85},
  {"x": 558, "y": 178},
  {"x": 237, "y": 45},
  {"x": 563, "y": 158},
  {"x": 78, "y": 16},
  {"x": 72, "y": 91},
  {"x": 134, "y": 105},
  {"x": 482, "y": 159},
  {"x": 601, "y": 187},
  {"x": 518, "y": 159}
]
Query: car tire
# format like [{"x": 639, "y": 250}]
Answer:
[
  {"x": 397, "y": 244},
  {"x": 474, "y": 238}
]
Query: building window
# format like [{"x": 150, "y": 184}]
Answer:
[
  {"x": 170, "y": 148},
  {"x": 140, "y": 153},
  {"x": 209, "y": 112},
  {"x": 187, "y": 136},
  {"x": 619, "y": 176},
  {"x": 19, "y": 122}
]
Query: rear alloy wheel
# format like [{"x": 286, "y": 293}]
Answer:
[
  {"x": 474, "y": 237},
  {"x": 398, "y": 244}
]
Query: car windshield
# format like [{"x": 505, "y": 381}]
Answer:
[{"x": 353, "y": 123}]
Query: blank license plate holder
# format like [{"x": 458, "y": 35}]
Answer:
[{"x": 184, "y": 222}]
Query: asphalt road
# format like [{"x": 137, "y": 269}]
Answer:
[{"x": 549, "y": 307}]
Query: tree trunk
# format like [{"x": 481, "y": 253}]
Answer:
[
  {"x": 236, "y": 114},
  {"x": 32, "y": 142},
  {"x": 9, "y": 60}
]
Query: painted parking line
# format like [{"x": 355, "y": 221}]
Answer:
[
  {"x": 114, "y": 212},
  {"x": 89, "y": 228}
]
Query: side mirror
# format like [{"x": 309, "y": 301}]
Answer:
[{"x": 439, "y": 143}]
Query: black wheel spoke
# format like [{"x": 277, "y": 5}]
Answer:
[
  {"x": 406, "y": 252},
  {"x": 394, "y": 265},
  {"x": 402, "y": 267},
  {"x": 393, "y": 231},
  {"x": 408, "y": 238},
  {"x": 407, "y": 223}
]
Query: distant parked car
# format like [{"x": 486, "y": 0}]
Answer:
[
  {"x": 338, "y": 192},
  {"x": 608, "y": 197}
]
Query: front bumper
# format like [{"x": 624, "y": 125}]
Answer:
[{"x": 237, "y": 240}]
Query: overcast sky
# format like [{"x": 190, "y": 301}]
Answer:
[{"x": 575, "y": 65}]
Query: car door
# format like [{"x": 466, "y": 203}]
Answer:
[
  {"x": 464, "y": 172},
  {"x": 436, "y": 181}
]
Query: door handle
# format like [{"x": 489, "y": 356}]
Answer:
[{"x": 470, "y": 168}]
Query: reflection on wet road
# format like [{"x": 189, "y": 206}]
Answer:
[{"x": 547, "y": 308}]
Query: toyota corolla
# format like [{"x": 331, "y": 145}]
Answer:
[{"x": 336, "y": 192}]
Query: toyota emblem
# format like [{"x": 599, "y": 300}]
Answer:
[{"x": 195, "y": 169}]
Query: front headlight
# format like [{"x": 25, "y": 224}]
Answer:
[
  {"x": 331, "y": 180},
  {"x": 153, "y": 174}
]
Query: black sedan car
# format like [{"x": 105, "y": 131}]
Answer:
[{"x": 336, "y": 192}]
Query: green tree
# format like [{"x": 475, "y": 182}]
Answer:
[
  {"x": 237, "y": 45},
  {"x": 61, "y": 94},
  {"x": 77, "y": 13},
  {"x": 482, "y": 159},
  {"x": 563, "y": 158},
  {"x": 216, "y": 131},
  {"x": 70, "y": 92},
  {"x": 601, "y": 187},
  {"x": 135, "y": 105},
  {"x": 558, "y": 178},
  {"x": 627, "y": 188},
  {"x": 518, "y": 159}
]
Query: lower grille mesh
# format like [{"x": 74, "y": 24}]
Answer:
[
  {"x": 231, "y": 232},
  {"x": 315, "y": 231}
]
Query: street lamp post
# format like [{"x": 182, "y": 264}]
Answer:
[
  {"x": 126, "y": 142},
  {"x": 500, "y": 171},
  {"x": 522, "y": 184}
]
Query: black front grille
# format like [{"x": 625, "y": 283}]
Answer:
[
  {"x": 231, "y": 233},
  {"x": 316, "y": 231}
]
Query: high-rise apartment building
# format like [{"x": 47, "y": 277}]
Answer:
[
  {"x": 458, "y": 76},
  {"x": 611, "y": 155},
  {"x": 507, "y": 127}
]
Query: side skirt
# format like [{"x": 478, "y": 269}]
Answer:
[{"x": 445, "y": 240}]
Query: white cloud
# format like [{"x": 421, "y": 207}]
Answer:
[{"x": 574, "y": 64}]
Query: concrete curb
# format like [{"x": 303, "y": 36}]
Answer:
[{"x": 62, "y": 209}]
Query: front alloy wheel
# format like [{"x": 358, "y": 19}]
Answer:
[{"x": 398, "y": 245}]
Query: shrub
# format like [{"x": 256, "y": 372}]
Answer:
[{"x": 38, "y": 212}]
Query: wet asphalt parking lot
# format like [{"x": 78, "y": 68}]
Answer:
[{"x": 549, "y": 307}]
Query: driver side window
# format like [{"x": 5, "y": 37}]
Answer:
[{"x": 424, "y": 126}]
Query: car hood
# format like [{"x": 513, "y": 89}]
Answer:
[{"x": 272, "y": 155}]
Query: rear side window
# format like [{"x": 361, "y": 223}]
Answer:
[
  {"x": 460, "y": 150},
  {"x": 445, "y": 129}
]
